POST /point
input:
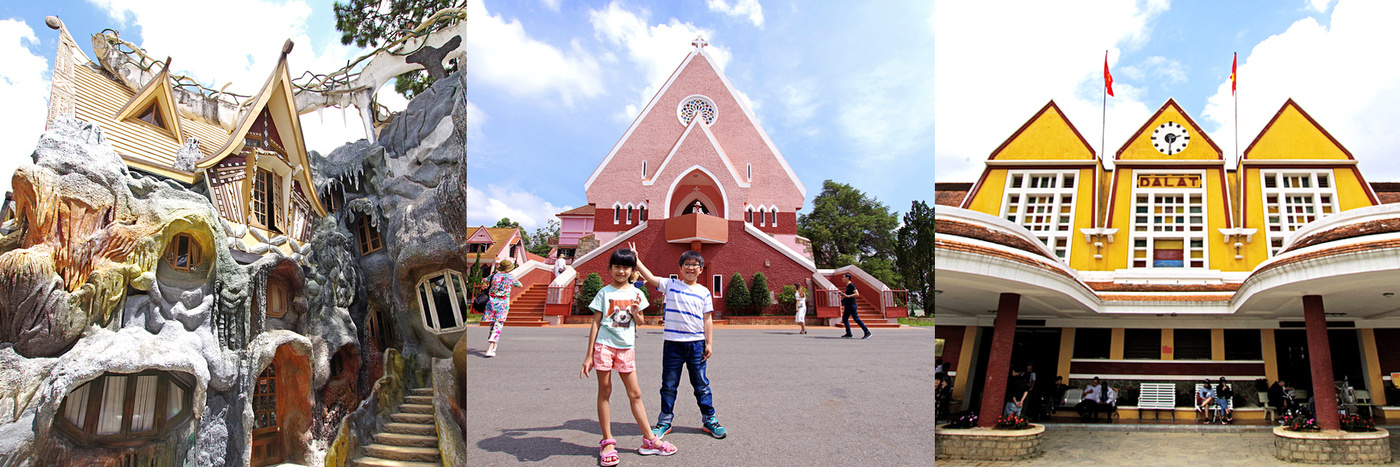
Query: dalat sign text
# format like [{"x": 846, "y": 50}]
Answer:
[{"x": 1169, "y": 181}]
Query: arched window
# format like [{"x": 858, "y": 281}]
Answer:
[
  {"x": 442, "y": 297},
  {"x": 279, "y": 299},
  {"x": 117, "y": 409},
  {"x": 183, "y": 254},
  {"x": 629, "y": 213},
  {"x": 762, "y": 216},
  {"x": 772, "y": 217},
  {"x": 617, "y": 213},
  {"x": 748, "y": 215},
  {"x": 643, "y": 212}
]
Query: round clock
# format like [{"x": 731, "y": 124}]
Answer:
[{"x": 1170, "y": 138}]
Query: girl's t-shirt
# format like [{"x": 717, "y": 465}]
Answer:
[{"x": 619, "y": 327}]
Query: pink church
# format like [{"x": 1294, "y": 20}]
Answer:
[{"x": 695, "y": 171}]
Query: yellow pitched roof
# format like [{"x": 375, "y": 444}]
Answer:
[
  {"x": 1293, "y": 134},
  {"x": 1047, "y": 135},
  {"x": 1139, "y": 146}
]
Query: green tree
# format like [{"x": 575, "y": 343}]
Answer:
[
  {"x": 736, "y": 299},
  {"x": 914, "y": 251},
  {"x": 372, "y": 23},
  {"x": 539, "y": 241},
  {"x": 506, "y": 223},
  {"x": 847, "y": 227},
  {"x": 474, "y": 275},
  {"x": 591, "y": 285},
  {"x": 787, "y": 300},
  {"x": 759, "y": 295}
]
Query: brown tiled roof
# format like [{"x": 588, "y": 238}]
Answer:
[
  {"x": 1387, "y": 192},
  {"x": 585, "y": 210},
  {"x": 1116, "y": 287},
  {"x": 963, "y": 229},
  {"x": 946, "y": 244},
  {"x": 1334, "y": 251},
  {"x": 950, "y": 194},
  {"x": 1164, "y": 298},
  {"x": 98, "y": 99}
]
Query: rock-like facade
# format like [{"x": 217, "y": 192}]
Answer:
[{"x": 130, "y": 332}]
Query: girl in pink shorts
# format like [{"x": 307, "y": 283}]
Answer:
[{"x": 616, "y": 309}]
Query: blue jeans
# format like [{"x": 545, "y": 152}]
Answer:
[
  {"x": 847, "y": 314},
  {"x": 673, "y": 356}
]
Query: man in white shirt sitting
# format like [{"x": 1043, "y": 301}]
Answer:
[{"x": 1097, "y": 398}]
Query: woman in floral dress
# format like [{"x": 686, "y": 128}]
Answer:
[{"x": 498, "y": 288}]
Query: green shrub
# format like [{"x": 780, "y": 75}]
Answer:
[
  {"x": 760, "y": 298},
  {"x": 591, "y": 285},
  {"x": 736, "y": 299},
  {"x": 787, "y": 300}
]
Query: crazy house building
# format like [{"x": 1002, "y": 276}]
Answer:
[
  {"x": 183, "y": 283},
  {"x": 695, "y": 171},
  {"x": 1170, "y": 266}
]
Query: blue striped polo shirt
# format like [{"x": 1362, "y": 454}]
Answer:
[{"x": 686, "y": 306}]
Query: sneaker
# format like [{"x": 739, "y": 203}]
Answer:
[
  {"x": 713, "y": 428},
  {"x": 661, "y": 429},
  {"x": 847, "y": 336},
  {"x": 867, "y": 336},
  {"x": 656, "y": 447},
  {"x": 490, "y": 353}
]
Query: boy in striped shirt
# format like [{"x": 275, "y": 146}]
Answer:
[{"x": 688, "y": 340}]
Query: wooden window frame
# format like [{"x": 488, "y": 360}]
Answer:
[
  {"x": 369, "y": 238},
  {"x": 194, "y": 254},
  {"x": 261, "y": 196},
  {"x": 427, "y": 305},
  {"x": 161, "y": 425},
  {"x": 284, "y": 297}
]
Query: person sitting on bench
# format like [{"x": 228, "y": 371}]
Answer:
[
  {"x": 1205, "y": 399},
  {"x": 1095, "y": 399},
  {"x": 1224, "y": 395}
]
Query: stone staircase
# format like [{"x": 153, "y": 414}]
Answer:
[
  {"x": 528, "y": 308},
  {"x": 410, "y": 439},
  {"x": 868, "y": 314}
]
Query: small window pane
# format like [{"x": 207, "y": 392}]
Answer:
[
  {"x": 1142, "y": 344},
  {"x": 175, "y": 401},
  {"x": 114, "y": 395},
  {"x": 75, "y": 411},
  {"x": 442, "y": 302},
  {"x": 1191, "y": 344},
  {"x": 143, "y": 413},
  {"x": 1092, "y": 342},
  {"x": 1243, "y": 344},
  {"x": 427, "y": 305}
]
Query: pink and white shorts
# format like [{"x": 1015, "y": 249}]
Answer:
[{"x": 608, "y": 359}]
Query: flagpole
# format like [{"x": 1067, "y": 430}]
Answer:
[
  {"x": 1239, "y": 158},
  {"x": 1103, "y": 130}
]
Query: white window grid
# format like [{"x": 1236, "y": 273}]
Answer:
[
  {"x": 1166, "y": 217},
  {"x": 1293, "y": 198},
  {"x": 1043, "y": 203}
]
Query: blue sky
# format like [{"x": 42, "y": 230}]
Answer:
[
  {"x": 233, "y": 41},
  {"x": 1332, "y": 57},
  {"x": 845, "y": 92}
]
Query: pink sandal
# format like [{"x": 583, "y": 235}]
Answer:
[
  {"x": 608, "y": 457},
  {"x": 656, "y": 447}
]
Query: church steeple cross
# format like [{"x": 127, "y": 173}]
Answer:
[{"x": 699, "y": 42}]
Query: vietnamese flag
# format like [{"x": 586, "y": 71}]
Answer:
[
  {"x": 1233, "y": 62},
  {"x": 1108, "y": 77}
]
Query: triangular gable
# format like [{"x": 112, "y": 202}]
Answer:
[
  {"x": 1048, "y": 135},
  {"x": 278, "y": 97},
  {"x": 1293, "y": 134},
  {"x": 481, "y": 235},
  {"x": 158, "y": 94},
  {"x": 709, "y": 139},
  {"x": 1139, "y": 145},
  {"x": 748, "y": 113}
]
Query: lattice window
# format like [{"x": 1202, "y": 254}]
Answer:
[
  {"x": 442, "y": 297},
  {"x": 371, "y": 242},
  {"x": 1292, "y": 199},
  {"x": 118, "y": 408},
  {"x": 694, "y": 106},
  {"x": 183, "y": 253},
  {"x": 1043, "y": 203},
  {"x": 267, "y": 197},
  {"x": 1169, "y": 228}
]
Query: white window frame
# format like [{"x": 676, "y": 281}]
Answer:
[
  {"x": 1278, "y": 224},
  {"x": 617, "y": 213},
  {"x": 1148, "y": 233},
  {"x": 429, "y": 309},
  {"x": 629, "y": 213},
  {"x": 717, "y": 283},
  {"x": 1058, "y": 236}
]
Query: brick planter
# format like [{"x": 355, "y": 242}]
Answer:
[
  {"x": 988, "y": 443},
  {"x": 1332, "y": 447}
]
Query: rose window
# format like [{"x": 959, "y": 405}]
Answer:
[{"x": 697, "y": 106}]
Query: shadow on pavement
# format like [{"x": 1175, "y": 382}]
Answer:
[{"x": 526, "y": 447}]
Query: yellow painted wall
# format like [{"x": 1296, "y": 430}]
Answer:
[
  {"x": 1048, "y": 136},
  {"x": 1140, "y": 146},
  {"x": 1292, "y": 136},
  {"x": 1119, "y": 254}
]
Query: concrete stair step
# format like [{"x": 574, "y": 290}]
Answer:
[
  {"x": 377, "y": 462},
  {"x": 421, "y": 391},
  {"x": 419, "y": 418},
  {"x": 420, "y": 400},
  {"x": 416, "y": 408},
  {"x": 400, "y": 439},
  {"x": 411, "y": 429},
  {"x": 403, "y": 453}
]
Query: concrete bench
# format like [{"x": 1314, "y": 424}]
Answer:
[{"x": 1155, "y": 397}]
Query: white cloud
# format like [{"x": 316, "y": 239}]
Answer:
[
  {"x": 475, "y": 118},
  {"x": 24, "y": 88},
  {"x": 885, "y": 113},
  {"x": 1319, "y": 6},
  {"x": 656, "y": 49},
  {"x": 552, "y": 5},
  {"x": 1171, "y": 70},
  {"x": 994, "y": 71},
  {"x": 749, "y": 8},
  {"x": 485, "y": 208},
  {"x": 798, "y": 101},
  {"x": 503, "y": 56},
  {"x": 1337, "y": 75}
]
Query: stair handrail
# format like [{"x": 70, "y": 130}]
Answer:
[
  {"x": 562, "y": 287},
  {"x": 864, "y": 278}
]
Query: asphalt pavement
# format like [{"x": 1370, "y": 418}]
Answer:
[{"x": 785, "y": 398}]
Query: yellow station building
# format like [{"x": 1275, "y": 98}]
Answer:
[{"x": 1167, "y": 262}]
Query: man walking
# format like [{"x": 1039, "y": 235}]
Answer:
[{"x": 848, "y": 305}]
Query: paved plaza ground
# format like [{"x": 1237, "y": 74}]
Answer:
[{"x": 786, "y": 399}]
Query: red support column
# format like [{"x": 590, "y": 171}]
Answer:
[
  {"x": 1320, "y": 359},
  {"x": 999, "y": 362}
]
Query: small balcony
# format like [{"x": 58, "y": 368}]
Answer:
[{"x": 696, "y": 227}]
